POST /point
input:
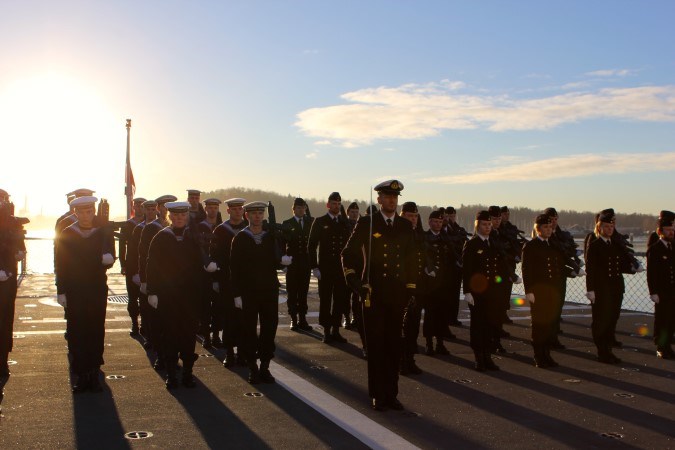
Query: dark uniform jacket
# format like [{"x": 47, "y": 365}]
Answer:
[
  {"x": 78, "y": 261},
  {"x": 126, "y": 234},
  {"x": 253, "y": 266},
  {"x": 297, "y": 238},
  {"x": 132, "y": 249},
  {"x": 542, "y": 265},
  {"x": 603, "y": 266},
  {"x": 331, "y": 238},
  {"x": 661, "y": 270},
  {"x": 393, "y": 263},
  {"x": 147, "y": 234},
  {"x": 439, "y": 259},
  {"x": 221, "y": 246},
  {"x": 482, "y": 264}
]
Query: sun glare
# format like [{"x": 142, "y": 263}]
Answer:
[{"x": 58, "y": 132}]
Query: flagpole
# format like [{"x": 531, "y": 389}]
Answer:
[{"x": 127, "y": 170}]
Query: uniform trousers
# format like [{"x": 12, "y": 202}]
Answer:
[
  {"x": 332, "y": 298},
  {"x": 7, "y": 301},
  {"x": 86, "y": 327},
  {"x": 260, "y": 306},
  {"x": 297, "y": 286},
  {"x": 606, "y": 309},
  {"x": 486, "y": 318},
  {"x": 664, "y": 320}
]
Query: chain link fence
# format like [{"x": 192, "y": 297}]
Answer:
[{"x": 636, "y": 297}]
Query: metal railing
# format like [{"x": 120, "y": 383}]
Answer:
[{"x": 635, "y": 298}]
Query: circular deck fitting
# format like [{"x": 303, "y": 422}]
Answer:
[
  {"x": 319, "y": 367},
  {"x": 462, "y": 381},
  {"x": 571, "y": 380},
  {"x": 612, "y": 435},
  {"x": 19, "y": 336},
  {"x": 623, "y": 395},
  {"x": 630, "y": 369},
  {"x": 11, "y": 362},
  {"x": 115, "y": 377},
  {"x": 205, "y": 355},
  {"x": 253, "y": 394},
  {"x": 138, "y": 435}
]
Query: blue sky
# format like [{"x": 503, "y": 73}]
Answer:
[{"x": 569, "y": 104}]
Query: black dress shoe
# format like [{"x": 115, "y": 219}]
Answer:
[
  {"x": 188, "y": 380},
  {"x": 230, "y": 360},
  {"x": 216, "y": 342},
  {"x": 326, "y": 338},
  {"x": 504, "y": 333},
  {"x": 82, "y": 383},
  {"x": 489, "y": 364},
  {"x": 159, "y": 364},
  {"x": 557, "y": 346},
  {"x": 441, "y": 350},
  {"x": 206, "y": 343},
  {"x": 395, "y": 404},
  {"x": 378, "y": 404},
  {"x": 266, "y": 376},
  {"x": 254, "y": 376},
  {"x": 507, "y": 319},
  {"x": 414, "y": 369},
  {"x": 456, "y": 323},
  {"x": 617, "y": 344},
  {"x": 171, "y": 382},
  {"x": 95, "y": 384},
  {"x": 304, "y": 326},
  {"x": 241, "y": 361},
  {"x": 337, "y": 337},
  {"x": 134, "y": 331},
  {"x": 499, "y": 348},
  {"x": 430, "y": 350},
  {"x": 541, "y": 363},
  {"x": 447, "y": 334}
]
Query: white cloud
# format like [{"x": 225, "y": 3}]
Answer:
[
  {"x": 610, "y": 73},
  {"x": 417, "y": 111},
  {"x": 323, "y": 143},
  {"x": 312, "y": 155},
  {"x": 572, "y": 166}
]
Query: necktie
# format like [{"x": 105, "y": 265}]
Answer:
[
  {"x": 487, "y": 242},
  {"x": 609, "y": 242},
  {"x": 670, "y": 247},
  {"x": 389, "y": 223},
  {"x": 334, "y": 219},
  {"x": 301, "y": 227}
]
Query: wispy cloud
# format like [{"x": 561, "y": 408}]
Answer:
[
  {"x": 416, "y": 111},
  {"x": 312, "y": 155},
  {"x": 500, "y": 170},
  {"x": 610, "y": 73}
]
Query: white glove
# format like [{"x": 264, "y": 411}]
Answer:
[
  {"x": 582, "y": 273},
  {"x": 654, "y": 298},
  {"x": 286, "y": 260},
  {"x": 590, "y": 296},
  {"x": 3, "y": 275},
  {"x": 639, "y": 268},
  {"x": 432, "y": 274},
  {"x": 20, "y": 255},
  {"x": 136, "y": 279},
  {"x": 317, "y": 273},
  {"x": 237, "y": 303},
  {"x": 530, "y": 297},
  {"x": 61, "y": 299},
  {"x": 212, "y": 267},
  {"x": 107, "y": 259},
  {"x": 469, "y": 298},
  {"x": 518, "y": 280},
  {"x": 153, "y": 301},
  {"x": 144, "y": 288},
  {"x": 216, "y": 287}
]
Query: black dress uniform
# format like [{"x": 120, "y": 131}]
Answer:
[
  {"x": 393, "y": 279},
  {"x": 132, "y": 271},
  {"x": 254, "y": 280},
  {"x": 605, "y": 279},
  {"x": 83, "y": 281},
  {"x": 542, "y": 274},
  {"x": 329, "y": 234},
  {"x": 11, "y": 243},
  {"x": 458, "y": 236},
  {"x": 220, "y": 254},
  {"x": 413, "y": 311},
  {"x": 133, "y": 290},
  {"x": 174, "y": 270},
  {"x": 481, "y": 265},
  {"x": 296, "y": 236},
  {"x": 661, "y": 282},
  {"x": 212, "y": 316},
  {"x": 436, "y": 301}
]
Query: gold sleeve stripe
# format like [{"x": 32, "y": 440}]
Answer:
[
  {"x": 411, "y": 285},
  {"x": 349, "y": 271}
]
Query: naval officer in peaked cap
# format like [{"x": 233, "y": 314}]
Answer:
[{"x": 386, "y": 248}]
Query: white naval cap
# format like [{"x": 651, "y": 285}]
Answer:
[
  {"x": 177, "y": 207},
  {"x": 235, "y": 201},
  {"x": 80, "y": 202},
  {"x": 255, "y": 206}
]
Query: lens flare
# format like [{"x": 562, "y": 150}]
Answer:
[
  {"x": 498, "y": 279},
  {"x": 643, "y": 330},
  {"x": 518, "y": 301}
]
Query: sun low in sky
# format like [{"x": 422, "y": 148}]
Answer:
[{"x": 523, "y": 104}]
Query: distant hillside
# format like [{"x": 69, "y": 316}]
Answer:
[{"x": 522, "y": 217}]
